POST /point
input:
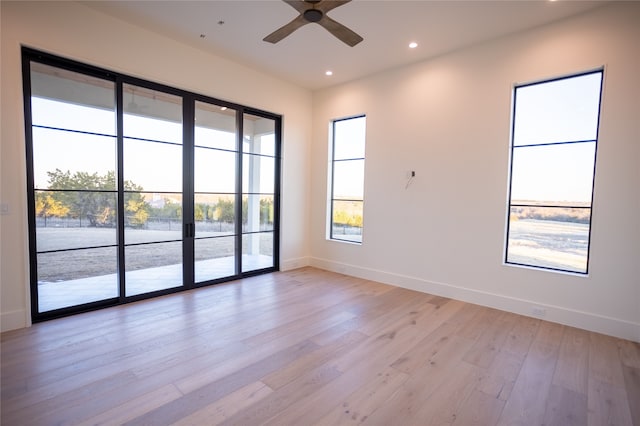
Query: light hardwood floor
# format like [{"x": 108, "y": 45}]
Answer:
[{"x": 313, "y": 347}]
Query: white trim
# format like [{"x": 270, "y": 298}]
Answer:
[
  {"x": 299, "y": 262},
  {"x": 13, "y": 320},
  {"x": 597, "y": 323}
]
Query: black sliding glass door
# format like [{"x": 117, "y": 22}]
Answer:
[
  {"x": 215, "y": 202},
  {"x": 74, "y": 192},
  {"x": 258, "y": 192},
  {"x": 152, "y": 174},
  {"x": 138, "y": 189}
]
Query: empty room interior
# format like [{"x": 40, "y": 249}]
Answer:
[{"x": 320, "y": 212}]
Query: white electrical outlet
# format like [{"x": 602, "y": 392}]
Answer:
[{"x": 538, "y": 311}]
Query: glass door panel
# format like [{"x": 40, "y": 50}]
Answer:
[
  {"x": 215, "y": 169},
  {"x": 152, "y": 169},
  {"x": 258, "y": 192},
  {"x": 73, "y": 135}
]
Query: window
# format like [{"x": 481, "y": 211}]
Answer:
[
  {"x": 553, "y": 153},
  {"x": 137, "y": 189},
  {"x": 347, "y": 183}
]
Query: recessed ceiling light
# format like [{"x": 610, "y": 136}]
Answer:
[
  {"x": 223, "y": 108},
  {"x": 328, "y": 72},
  {"x": 413, "y": 45}
]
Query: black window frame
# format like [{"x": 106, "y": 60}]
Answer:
[
  {"x": 513, "y": 147},
  {"x": 332, "y": 199}
]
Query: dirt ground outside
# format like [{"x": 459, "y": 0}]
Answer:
[{"x": 164, "y": 248}]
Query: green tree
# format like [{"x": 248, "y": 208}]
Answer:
[
  {"x": 200, "y": 211},
  {"x": 340, "y": 217},
  {"x": 266, "y": 210},
  {"x": 47, "y": 206},
  {"x": 90, "y": 196},
  {"x": 225, "y": 211},
  {"x": 170, "y": 210}
]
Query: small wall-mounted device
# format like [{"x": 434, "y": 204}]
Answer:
[{"x": 410, "y": 175}]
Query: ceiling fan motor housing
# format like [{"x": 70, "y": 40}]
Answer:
[{"x": 312, "y": 15}]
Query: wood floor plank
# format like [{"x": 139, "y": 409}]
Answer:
[
  {"x": 388, "y": 315},
  {"x": 284, "y": 397},
  {"x": 629, "y": 353},
  {"x": 447, "y": 404},
  {"x": 483, "y": 352},
  {"x": 572, "y": 368},
  {"x": 527, "y": 403},
  {"x": 314, "y": 359},
  {"x": 479, "y": 409},
  {"x": 632, "y": 385},
  {"x": 308, "y": 347},
  {"x": 102, "y": 366},
  {"x": 60, "y": 405},
  {"x": 604, "y": 360},
  {"x": 426, "y": 350},
  {"x": 359, "y": 406},
  {"x": 250, "y": 359},
  {"x": 404, "y": 333},
  {"x": 402, "y": 407},
  {"x": 565, "y": 407},
  {"x": 498, "y": 380},
  {"x": 316, "y": 405},
  {"x": 607, "y": 404},
  {"x": 134, "y": 407},
  {"x": 473, "y": 328},
  {"x": 521, "y": 335},
  {"x": 224, "y": 408},
  {"x": 198, "y": 396}
]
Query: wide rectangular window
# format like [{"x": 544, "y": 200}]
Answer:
[
  {"x": 553, "y": 153},
  {"x": 347, "y": 183}
]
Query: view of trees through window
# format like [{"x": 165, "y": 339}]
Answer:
[
  {"x": 347, "y": 183},
  {"x": 555, "y": 132}
]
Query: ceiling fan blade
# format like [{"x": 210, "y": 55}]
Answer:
[
  {"x": 285, "y": 30},
  {"x": 327, "y": 5},
  {"x": 340, "y": 31}
]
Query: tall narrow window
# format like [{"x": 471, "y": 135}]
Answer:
[
  {"x": 347, "y": 183},
  {"x": 258, "y": 191},
  {"x": 553, "y": 152}
]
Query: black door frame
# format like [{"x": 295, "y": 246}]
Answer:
[{"x": 188, "y": 108}]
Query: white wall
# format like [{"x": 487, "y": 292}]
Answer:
[
  {"x": 75, "y": 31},
  {"x": 448, "y": 119}
]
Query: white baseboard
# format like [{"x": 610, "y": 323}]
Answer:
[
  {"x": 299, "y": 262},
  {"x": 584, "y": 320},
  {"x": 13, "y": 320}
]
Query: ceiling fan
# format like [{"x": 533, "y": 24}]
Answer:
[{"x": 315, "y": 11}]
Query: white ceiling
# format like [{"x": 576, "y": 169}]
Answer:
[{"x": 303, "y": 57}]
